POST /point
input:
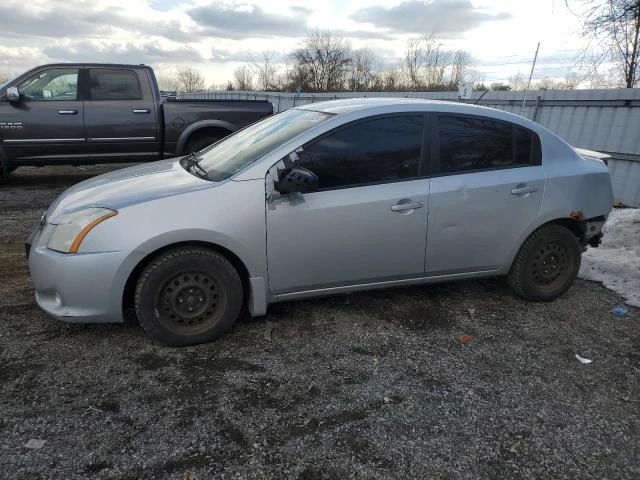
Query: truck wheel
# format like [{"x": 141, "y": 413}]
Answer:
[
  {"x": 198, "y": 143},
  {"x": 187, "y": 296},
  {"x": 546, "y": 264},
  {"x": 5, "y": 170}
]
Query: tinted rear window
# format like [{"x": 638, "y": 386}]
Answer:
[
  {"x": 478, "y": 143},
  {"x": 111, "y": 84}
]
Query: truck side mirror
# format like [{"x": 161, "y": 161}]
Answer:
[
  {"x": 296, "y": 179},
  {"x": 13, "y": 95}
]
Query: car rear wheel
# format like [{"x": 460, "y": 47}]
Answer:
[
  {"x": 546, "y": 264},
  {"x": 187, "y": 296}
]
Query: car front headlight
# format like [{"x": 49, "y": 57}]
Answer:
[{"x": 71, "y": 229}]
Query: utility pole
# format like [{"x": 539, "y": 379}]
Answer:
[{"x": 533, "y": 65}]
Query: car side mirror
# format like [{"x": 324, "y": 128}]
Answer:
[
  {"x": 296, "y": 179},
  {"x": 13, "y": 95}
]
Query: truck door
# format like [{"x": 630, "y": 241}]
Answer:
[
  {"x": 46, "y": 124},
  {"x": 121, "y": 119}
]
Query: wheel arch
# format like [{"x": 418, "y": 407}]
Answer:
[
  {"x": 577, "y": 227},
  {"x": 128, "y": 292},
  {"x": 203, "y": 128}
]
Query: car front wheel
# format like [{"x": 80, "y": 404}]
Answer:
[
  {"x": 546, "y": 264},
  {"x": 188, "y": 295}
]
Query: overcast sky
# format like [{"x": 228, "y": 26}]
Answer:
[{"x": 217, "y": 36}]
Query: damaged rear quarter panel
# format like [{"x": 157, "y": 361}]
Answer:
[{"x": 577, "y": 188}]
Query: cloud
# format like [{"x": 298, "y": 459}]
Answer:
[
  {"x": 18, "y": 21},
  {"x": 249, "y": 21},
  {"x": 447, "y": 18},
  {"x": 73, "y": 19},
  {"x": 116, "y": 52}
]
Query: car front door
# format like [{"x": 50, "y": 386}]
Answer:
[
  {"x": 120, "y": 116},
  {"x": 366, "y": 222},
  {"x": 486, "y": 189},
  {"x": 46, "y": 124}
]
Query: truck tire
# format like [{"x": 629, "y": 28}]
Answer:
[
  {"x": 5, "y": 171},
  {"x": 188, "y": 295},
  {"x": 546, "y": 264},
  {"x": 198, "y": 143}
]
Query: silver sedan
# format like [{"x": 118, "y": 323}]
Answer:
[{"x": 321, "y": 199}]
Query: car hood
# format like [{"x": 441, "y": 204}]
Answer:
[{"x": 126, "y": 187}]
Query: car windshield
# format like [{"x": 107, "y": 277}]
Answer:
[{"x": 230, "y": 155}]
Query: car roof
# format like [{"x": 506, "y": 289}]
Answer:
[
  {"x": 346, "y": 105},
  {"x": 381, "y": 105},
  {"x": 88, "y": 65}
]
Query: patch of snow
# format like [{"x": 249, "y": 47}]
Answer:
[{"x": 616, "y": 262}]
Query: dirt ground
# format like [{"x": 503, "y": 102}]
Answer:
[{"x": 373, "y": 385}]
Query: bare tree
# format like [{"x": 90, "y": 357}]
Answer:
[
  {"x": 413, "y": 63},
  {"x": 392, "y": 79},
  {"x": 427, "y": 65},
  {"x": 322, "y": 62},
  {"x": 478, "y": 79},
  {"x": 613, "y": 25},
  {"x": 190, "y": 79},
  {"x": 168, "y": 82},
  {"x": 266, "y": 71},
  {"x": 517, "y": 81},
  {"x": 569, "y": 83},
  {"x": 365, "y": 69},
  {"x": 572, "y": 80},
  {"x": 545, "y": 83},
  {"x": 435, "y": 61},
  {"x": 499, "y": 87},
  {"x": 243, "y": 78},
  {"x": 460, "y": 65}
]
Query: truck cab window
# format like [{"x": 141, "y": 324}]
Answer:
[
  {"x": 54, "y": 84},
  {"x": 112, "y": 84}
]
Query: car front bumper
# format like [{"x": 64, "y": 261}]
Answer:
[{"x": 79, "y": 288}]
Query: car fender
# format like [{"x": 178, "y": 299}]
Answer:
[
  {"x": 194, "y": 127},
  {"x": 258, "y": 292}
]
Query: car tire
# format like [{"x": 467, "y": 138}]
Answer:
[
  {"x": 199, "y": 143},
  {"x": 546, "y": 264},
  {"x": 188, "y": 295}
]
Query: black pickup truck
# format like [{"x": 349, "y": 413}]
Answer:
[{"x": 105, "y": 113}]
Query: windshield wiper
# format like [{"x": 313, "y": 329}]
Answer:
[{"x": 191, "y": 165}]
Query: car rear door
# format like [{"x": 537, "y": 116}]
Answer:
[
  {"x": 121, "y": 119},
  {"x": 486, "y": 189},
  {"x": 366, "y": 223},
  {"x": 46, "y": 125}
]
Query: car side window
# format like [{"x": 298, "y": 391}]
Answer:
[
  {"x": 478, "y": 143},
  {"x": 55, "y": 84},
  {"x": 114, "y": 84},
  {"x": 384, "y": 149}
]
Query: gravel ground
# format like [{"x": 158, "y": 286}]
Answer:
[{"x": 458, "y": 380}]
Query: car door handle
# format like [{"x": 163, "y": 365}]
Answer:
[
  {"x": 523, "y": 190},
  {"x": 399, "y": 207},
  {"x": 68, "y": 112},
  {"x": 141, "y": 110}
]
